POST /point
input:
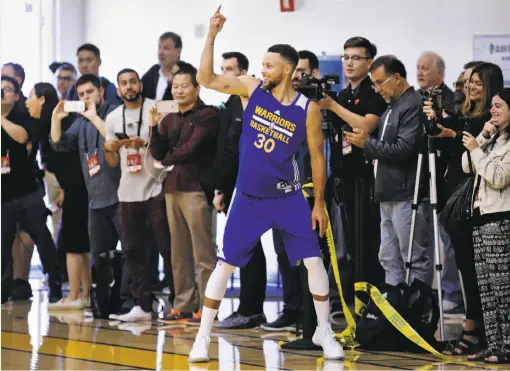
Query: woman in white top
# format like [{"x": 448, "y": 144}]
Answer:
[{"x": 490, "y": 156}]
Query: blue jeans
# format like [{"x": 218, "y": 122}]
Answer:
[{"x": 395, "y": 232}]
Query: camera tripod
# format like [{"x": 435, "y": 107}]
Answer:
[{"x": 428, "y": 148}]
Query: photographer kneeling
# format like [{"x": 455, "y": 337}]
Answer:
[{"x": 485, "y": 81}]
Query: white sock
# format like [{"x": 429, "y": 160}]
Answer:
[
  {"x": 319, "y": 285},
  {"x": 322, "y": 309},
  {"x": 206, "y": 322},
  {"x": 215, "y": 290}
]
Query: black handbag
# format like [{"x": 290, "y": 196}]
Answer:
[{"x": 458, "y": 208}]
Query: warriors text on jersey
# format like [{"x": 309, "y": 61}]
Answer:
[{"x": 272, "y": 134}]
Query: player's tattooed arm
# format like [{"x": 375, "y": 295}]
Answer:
[{"x": 242, "y": 86}]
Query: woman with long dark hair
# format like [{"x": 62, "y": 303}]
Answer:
[
  {"x": 73, "y": 237},
  {"x": 485, "y": 81},
  {"x": 490, "y": 158}
]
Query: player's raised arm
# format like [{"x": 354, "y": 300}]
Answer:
[{"x": 242, "y": 85}]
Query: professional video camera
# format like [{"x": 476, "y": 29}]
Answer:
[
  {"x": 436, "y": 96},
  {"x": 313, "y": 88}
]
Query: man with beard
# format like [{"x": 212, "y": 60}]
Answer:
[
  {"x": 140, "y": 189},
  {"x": 268, "y": 192}
]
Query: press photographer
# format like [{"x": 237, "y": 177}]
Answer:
[
  {"x": 395, "y": 154},
  {"x": 356, "y": 106},
  {"x": 485, "y": 80}
]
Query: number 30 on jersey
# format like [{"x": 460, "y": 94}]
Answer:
[{"x": 266, "y": 143}]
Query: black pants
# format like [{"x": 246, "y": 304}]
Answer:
[
  {"x": 133, "y": 237},
  {"x": 105, "y": 232},
  {"x": 462, "y": 242},
  {"x": 31, "y": 213},
  {"x": 291, "y": 279},
  {"x": 253, "y": 284}
]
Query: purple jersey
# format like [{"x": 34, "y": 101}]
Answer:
[{"x": 272, "y": 134}]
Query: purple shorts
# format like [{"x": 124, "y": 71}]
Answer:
[{"x": 250, "y": 217}]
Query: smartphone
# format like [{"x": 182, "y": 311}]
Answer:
[
  {"x": 121, "y": 136},
  {"x": 74, "y": 106},
  {"x": 167, "y": 106}
]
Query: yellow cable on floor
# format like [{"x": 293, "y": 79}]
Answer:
[{"x": 346, "y": 337}]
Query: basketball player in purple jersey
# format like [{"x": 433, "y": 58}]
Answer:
[{"x": 268, "y": 194}]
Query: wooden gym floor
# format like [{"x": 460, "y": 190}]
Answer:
[{"x": 33, "y": 339}]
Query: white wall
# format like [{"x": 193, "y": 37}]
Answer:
[{"x": 128, "y": 34}]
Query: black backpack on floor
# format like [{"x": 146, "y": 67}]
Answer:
[{"x": 417, "y": 304}]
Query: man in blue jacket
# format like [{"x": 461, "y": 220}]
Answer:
[{"x": 89, "y": 61}]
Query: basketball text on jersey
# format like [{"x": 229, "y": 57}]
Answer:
[
  {"x": 271, "y": 137},
  {"x": 271, "y": 125}
]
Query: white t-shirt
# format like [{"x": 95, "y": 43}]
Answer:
[{"x": 141, "y": 186}]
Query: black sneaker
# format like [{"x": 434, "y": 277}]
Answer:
[
  {"x": 237, "y": 321},
  {"x": 286, "y": 322},
  {"x": 55, "y": 288},
  {"x": 21, "y": 290}
]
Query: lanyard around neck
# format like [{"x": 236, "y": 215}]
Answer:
[{"x": 139, "y": 118}]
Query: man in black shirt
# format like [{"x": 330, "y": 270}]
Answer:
[
  {"x": 21, "y": 201},
  {"x": 356, "y": 106},
  {"x": 430, "y": 71}
]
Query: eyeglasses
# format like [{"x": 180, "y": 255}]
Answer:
[
  {"x": 65, "y": 78},
  {"x": 376, "y": 85},
  {"x": 355, "y": 58},
  {"x": 8, "y": 90},
  {"x": 458, "y": 84}
]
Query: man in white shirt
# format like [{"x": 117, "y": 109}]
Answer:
[
  {"x": 157, "y": 81},
  {"x": 140, "y": 189}
]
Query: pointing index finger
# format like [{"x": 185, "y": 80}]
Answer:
[{"x": 218, "y": 10}]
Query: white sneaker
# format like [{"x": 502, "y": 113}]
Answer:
[
  {"x": 325, "y": 338},
  {"x": 135, "y": 315},
  {"x": 200, "y": 350}
]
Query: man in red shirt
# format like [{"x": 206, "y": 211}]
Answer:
[{"x": 185, "y": 143}]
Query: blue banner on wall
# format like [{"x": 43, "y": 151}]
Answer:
[{"x": 494, "y": 49}]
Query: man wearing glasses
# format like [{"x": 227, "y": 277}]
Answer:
[
  {"x": 358, "y": 105},
  {"x": 66, "y": 77},
  {"x": 395, "y": 153}
]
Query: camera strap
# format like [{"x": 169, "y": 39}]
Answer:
[{"x": 139, "y": 118}]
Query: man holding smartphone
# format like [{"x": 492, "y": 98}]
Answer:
[
  {"x": 140, "y": 190},
  {"x": 86, "y": 135}
]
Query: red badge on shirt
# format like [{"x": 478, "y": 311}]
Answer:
[
  {"x": 93, "y": 164},
  {"x": 356, "y": 101},
  {"x": 6, "y": 164},
  {"x": 134, "y": 163}
]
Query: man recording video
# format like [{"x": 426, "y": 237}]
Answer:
[{"x": 356, "y": 106}]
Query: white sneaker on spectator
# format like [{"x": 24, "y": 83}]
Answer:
[
  {"x": 325, "y": 338},
  {"x": 135, "y": 315},
  {"x": 452, "y": 309}
]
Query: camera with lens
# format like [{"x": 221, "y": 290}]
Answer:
[
  {"x": 436, "y": 97},
  {"x": 313, "y": 88}
]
